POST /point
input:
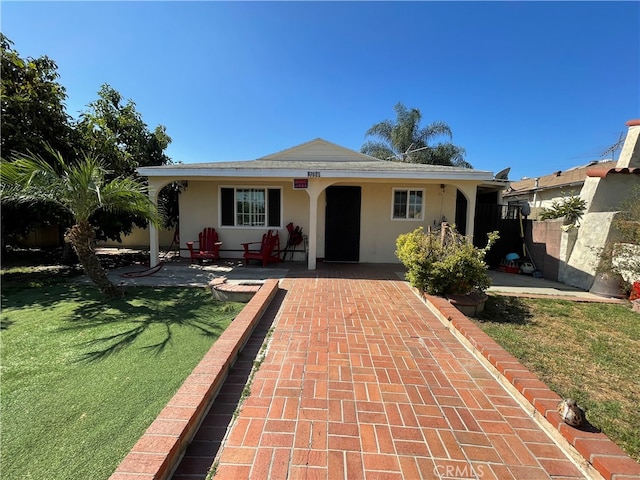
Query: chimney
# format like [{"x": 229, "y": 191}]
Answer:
[{"x": 630, "y": 153}]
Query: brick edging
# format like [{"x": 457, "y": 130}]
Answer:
[
  {"x": 157, "y": 452},
  {"x": 596, "y": 448}
]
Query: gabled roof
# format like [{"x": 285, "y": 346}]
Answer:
[
  {"x": 568, "y": 178},
  {"x": 331, "y": 160},
  {"x": 320, "y": 150}
]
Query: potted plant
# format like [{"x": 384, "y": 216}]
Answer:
[{"x": 443, "y": 262}]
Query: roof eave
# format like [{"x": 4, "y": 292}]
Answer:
[
  {"x": 540, "y": 189},
  {"x": 477, "y": 175}
]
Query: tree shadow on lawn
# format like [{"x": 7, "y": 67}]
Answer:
[
  {"x": 120, "y": 322},
  {"x": 43, "y": 295},
  {"x": 38, "y": 278},
  {"x": 506, "y": 309},
  {"x": 5, "y": 324}
]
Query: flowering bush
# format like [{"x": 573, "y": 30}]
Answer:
[{"x": 442, "y": 263}]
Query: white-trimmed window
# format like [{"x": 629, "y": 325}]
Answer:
[
  {"x": 408, "y": 204},
  {"x": 250, "y": 207}
]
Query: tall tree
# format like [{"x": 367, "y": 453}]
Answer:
[
  {"x": 34, "y": 118},
  {"x": 33, "y": 114},
  {"x": 404, "y": 140},
  {"x": 33, "y": 109},
  {"x": 114, "y": 130},
  {"x": 82, "y": 190}
]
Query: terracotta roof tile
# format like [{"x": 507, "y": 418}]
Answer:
[{"x": 604, "y": 171}]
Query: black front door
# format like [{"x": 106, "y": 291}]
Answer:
[{"x": 342, "y": 225}]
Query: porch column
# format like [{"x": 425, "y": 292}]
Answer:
[
  {"x": 470, "y": 192},
  {"x": 314, "y": 192},
  {"x": 471, "y": 214},
  {"x": 154, "y": 241},
  {"x": 315, "y": 188}
]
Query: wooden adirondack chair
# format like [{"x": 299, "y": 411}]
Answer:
[
  {"x": 209, "y": 246},
  {"x": 269, "y": 251}
]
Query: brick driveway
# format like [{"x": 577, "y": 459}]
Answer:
[{"x": 361, "y": 380}]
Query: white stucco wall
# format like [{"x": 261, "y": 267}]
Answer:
[
  {"x": 607, "y": 194},
  {"x": 545, "y": 198},
  {"x": 593, "y": 235}
]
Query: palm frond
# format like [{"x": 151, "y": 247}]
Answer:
[
  {"x": 378, "y": 150},
  {"x": 449, "y": 153},
  {"x": 434, "y": 129},
  {"x": 80, "y": 187},
  {"x": 27, "y": 170},
  {"x": 382, "y": 130},
  {"x": 406, "y": 116},
  {"x": 126, "y": 195},
  {"x": 28, "y": 179},
  {"x": 404, "y": 140}
]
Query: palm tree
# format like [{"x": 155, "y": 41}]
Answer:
[
  {"x": 404, "y": 141},
  {"x": 80, "y": 189}
]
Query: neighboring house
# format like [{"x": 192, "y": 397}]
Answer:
[
  {"x": 351, "y": 206},
  {"x": 604, "y": 190},
  {"x": 573, "y": 255},
  {"x": 541, "y": 192}
]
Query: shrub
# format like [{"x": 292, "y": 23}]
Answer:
[
  {"x": 628, "y": 221},
  {"x": 571, "y": 208},
  {"x": 621, "y": 255},
  {"x": 443, "y": 263}
]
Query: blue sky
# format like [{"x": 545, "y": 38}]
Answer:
[{"x": 535, "y": 86}]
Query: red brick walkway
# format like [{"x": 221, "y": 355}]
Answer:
[{"x": 361, "y": 380}]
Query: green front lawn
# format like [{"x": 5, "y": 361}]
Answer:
[
  {"x": 82, "y": 378},
  {"x": 588, "y": 351}
]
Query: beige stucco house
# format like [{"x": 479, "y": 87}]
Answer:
[{"x": 351, "y": 206}]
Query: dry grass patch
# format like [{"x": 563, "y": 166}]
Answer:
[{"x": 588, "y": 351}]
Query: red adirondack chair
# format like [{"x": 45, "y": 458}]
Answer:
[
  {"x": 209, "y": 246},
  {"x": 269, "y": 251}
]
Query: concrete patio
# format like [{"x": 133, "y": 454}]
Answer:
[{"x": 179, "y": 272}]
